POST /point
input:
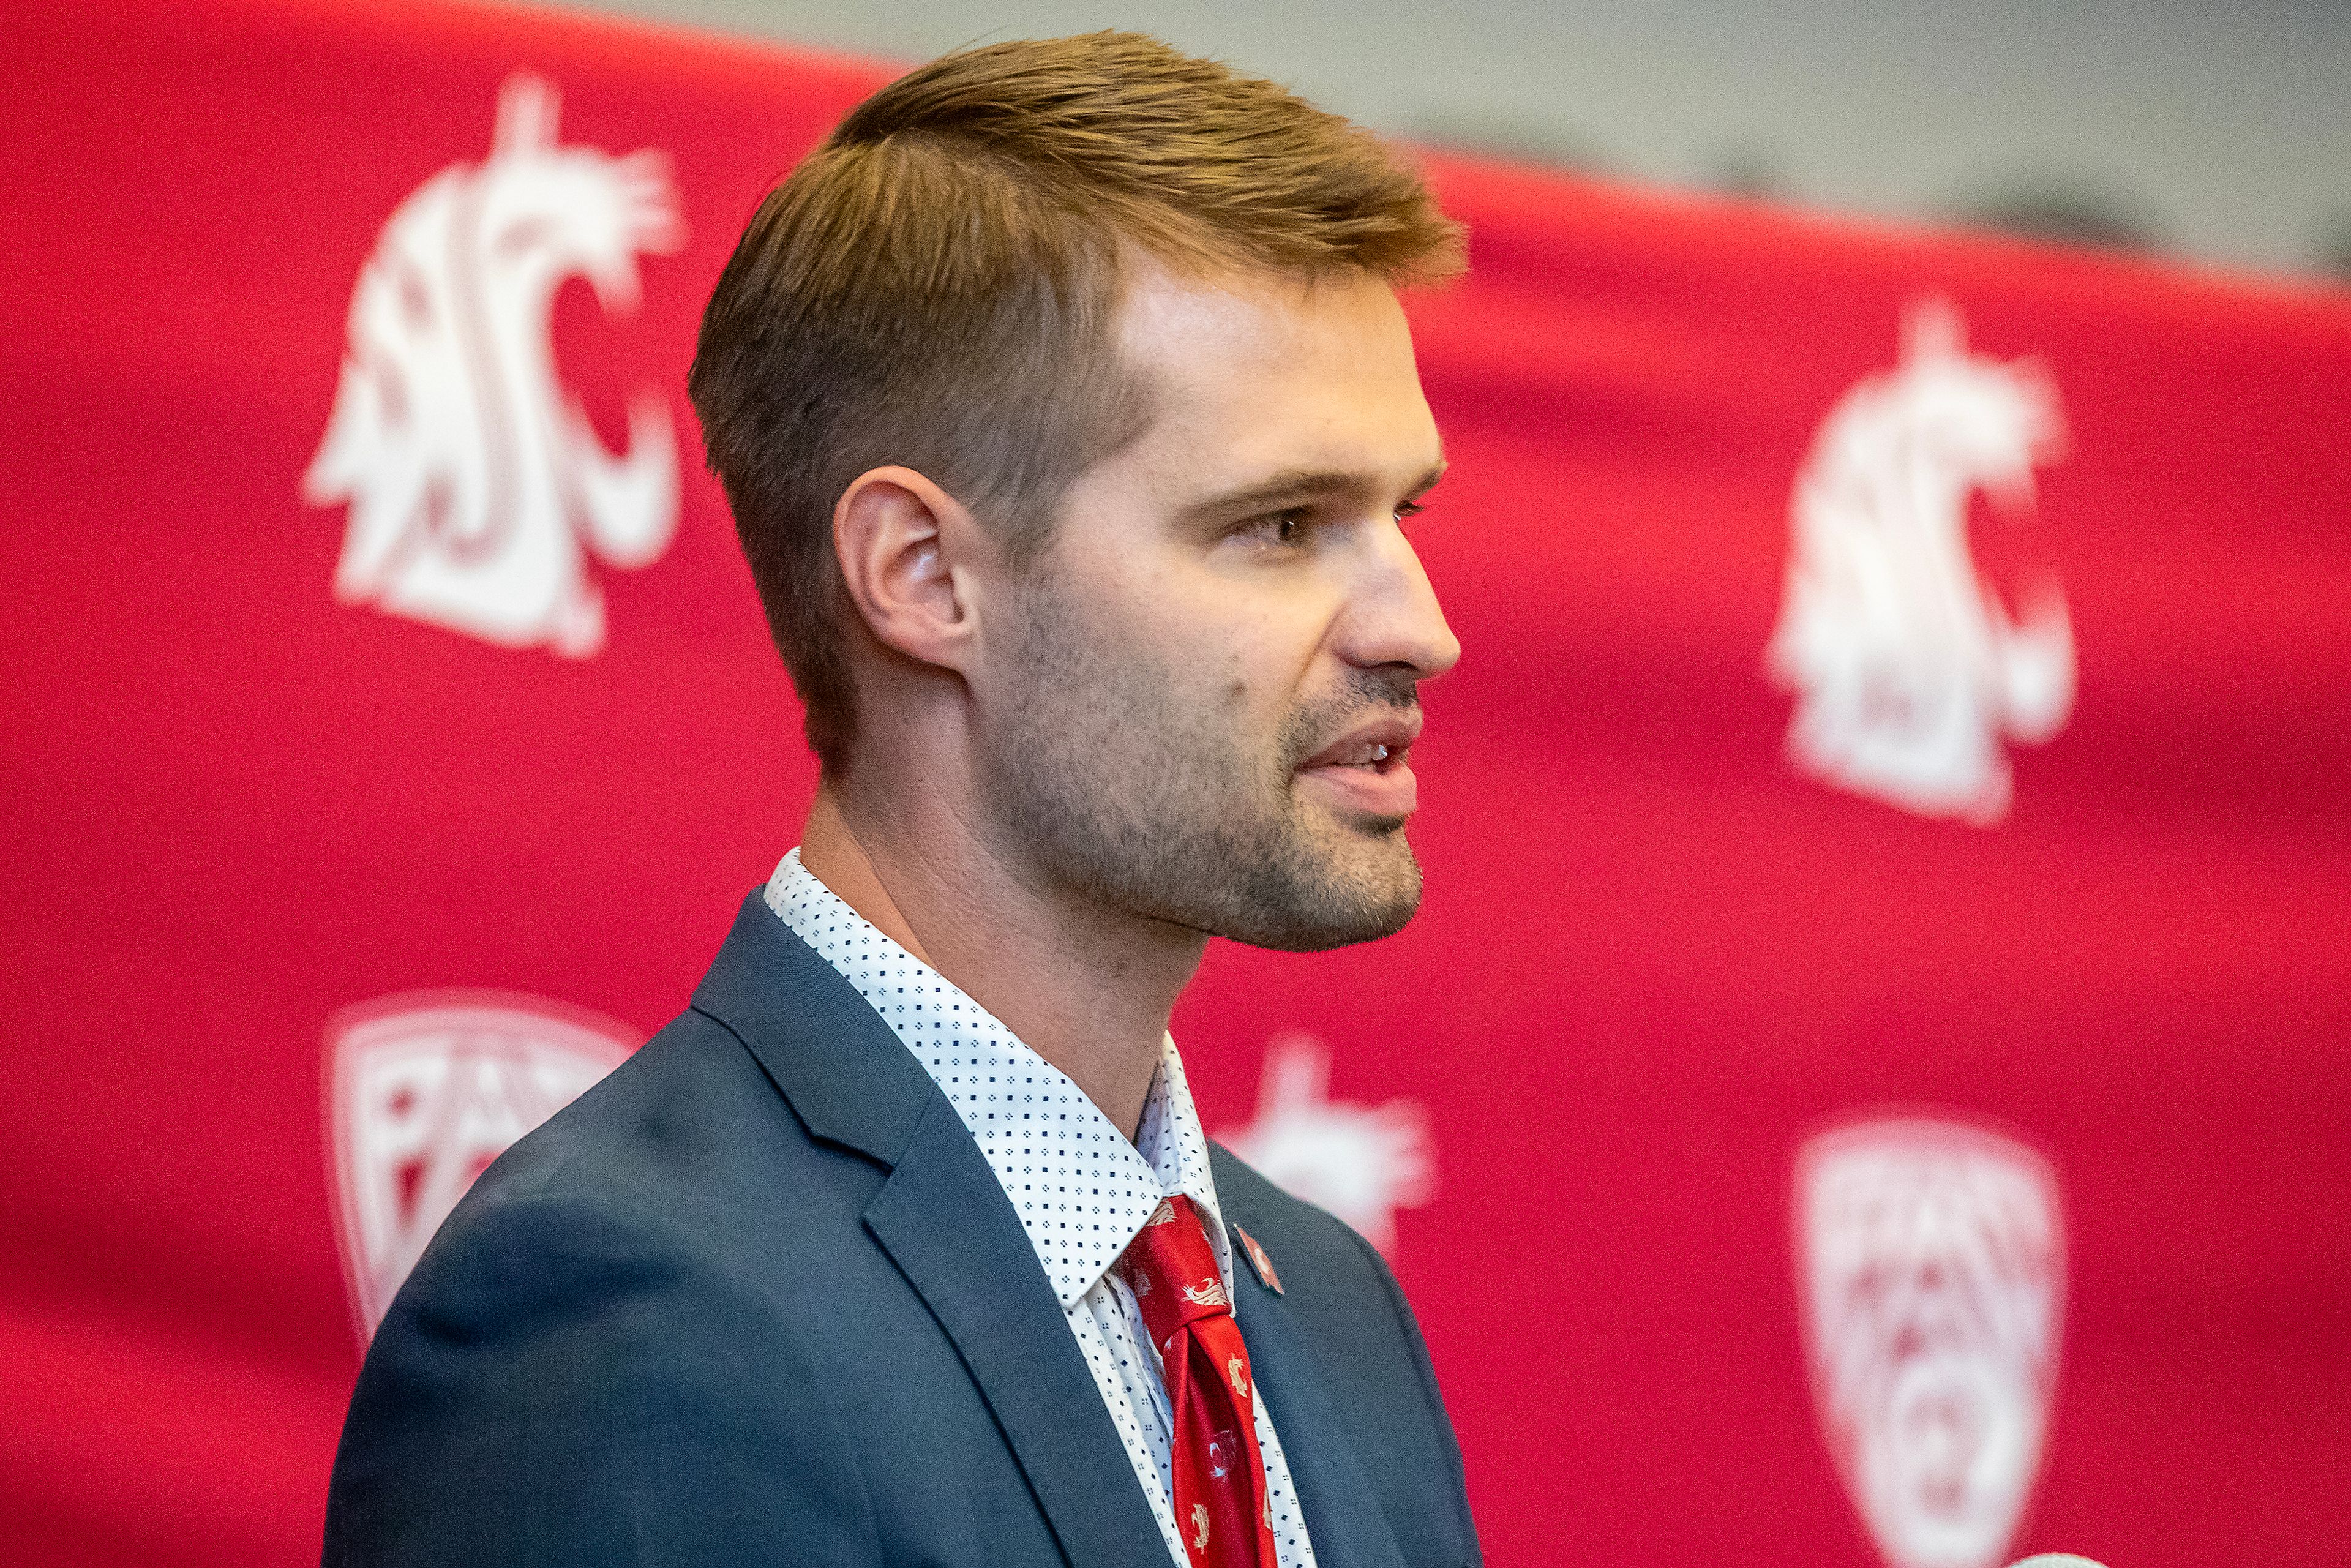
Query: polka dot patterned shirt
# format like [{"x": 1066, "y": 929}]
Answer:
[{"x": 1080, "y": 1189}]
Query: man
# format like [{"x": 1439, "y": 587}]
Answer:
[{"x": 1067, "y": 417}]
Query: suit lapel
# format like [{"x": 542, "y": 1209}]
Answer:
[
  {"x": 1344, "y": 1516},
  {"x": 944, "y": 1222},
  {"x": 846, "y": 1074}
]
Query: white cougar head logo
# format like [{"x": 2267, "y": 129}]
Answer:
[
  {"x": 1930, "y": 1272},
  {"x": 1361, "y": 1162},
  {"x": 1907, "y": 669},
  {"x": 471, "y": 475}
]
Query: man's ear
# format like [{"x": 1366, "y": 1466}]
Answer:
[{"x": 905, "y": 548}]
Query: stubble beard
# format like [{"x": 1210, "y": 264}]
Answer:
[{"x": 1118, "y": 790}]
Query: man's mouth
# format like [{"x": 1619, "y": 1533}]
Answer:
[
  {"x": 1376, "y": 742},
  {"x": 1368, "y": 767}
]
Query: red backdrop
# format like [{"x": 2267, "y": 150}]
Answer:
[{"x": 1659, "y": 950}]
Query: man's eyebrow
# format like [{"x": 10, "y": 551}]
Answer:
[{"x": 1295, "y": 484}]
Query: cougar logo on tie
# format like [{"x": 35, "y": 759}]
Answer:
[
  {"x": 1930, "y": 1272},
  {"x": 1908, "y": 670},
  {"x": 424, "y": 1092},
  {"x": 475, "y": 481}
]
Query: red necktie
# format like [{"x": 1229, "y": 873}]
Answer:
[{"x": 1221, "y": 1508}]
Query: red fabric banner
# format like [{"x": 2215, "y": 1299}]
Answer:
[{"x": 1871, "y": 1082}]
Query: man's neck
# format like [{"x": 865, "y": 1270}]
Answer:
[{"x": 1088, "y": 989}]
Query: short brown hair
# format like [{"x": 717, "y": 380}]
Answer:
[{"x": 933, "y": 286}]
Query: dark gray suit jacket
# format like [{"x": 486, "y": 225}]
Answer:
[{"x": 758, "y": 1299}]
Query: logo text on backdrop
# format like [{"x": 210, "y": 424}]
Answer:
[
  {"x": 1908, "y": 670},
  {"x": 1930, "y": 1272},
  {"x": 476, "y": 483},
  {"x": 1362, "y": 1162},
  {"x": 423, "y": 1091}
]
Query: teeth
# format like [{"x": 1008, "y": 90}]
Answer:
[{"x": 1371, "y": 753}]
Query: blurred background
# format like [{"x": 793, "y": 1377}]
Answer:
[
  {"x": 2216, "y": 130},
  {"x": 1815, "y": 797}
]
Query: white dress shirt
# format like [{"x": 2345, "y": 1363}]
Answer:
[{"x": 1082, "y": 1192}]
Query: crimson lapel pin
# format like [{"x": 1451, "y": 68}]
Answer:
[{"x": 1260, "y": 1264}]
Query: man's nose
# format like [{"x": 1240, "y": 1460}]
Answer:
[{"x": 1396, "y": 618}]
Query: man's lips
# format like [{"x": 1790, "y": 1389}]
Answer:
[
  {"x": 1366, "y": 766},
  {"x": 1390, "y": 734}
]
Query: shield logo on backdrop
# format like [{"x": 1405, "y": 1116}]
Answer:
[
  {"x": 1930, "y": 1278},
  {"x": 423, "y": 1091}
]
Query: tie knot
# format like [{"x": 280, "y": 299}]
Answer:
[{"x": 1172, "y": 1269}]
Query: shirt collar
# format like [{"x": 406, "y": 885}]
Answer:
[{"x": 1081, "y": 1190}]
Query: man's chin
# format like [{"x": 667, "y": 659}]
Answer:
[
  {"x": 1305, "y": 937},
  {"x": 1347, "y": 899}
]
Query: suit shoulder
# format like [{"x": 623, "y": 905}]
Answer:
[
  {"x": 689, "y": 1129},
  {"x": 684, "y": 1164},
  {"x": 691, "y": 1060}
]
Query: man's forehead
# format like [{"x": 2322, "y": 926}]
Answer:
[
  {"x": 1185, "y": 324},
  {"x": 1261, "y": 380}
]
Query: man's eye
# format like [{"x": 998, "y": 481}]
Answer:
[
  {"x": 1288, "y": 527},
  {"x": 1408, "y": 511}
]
